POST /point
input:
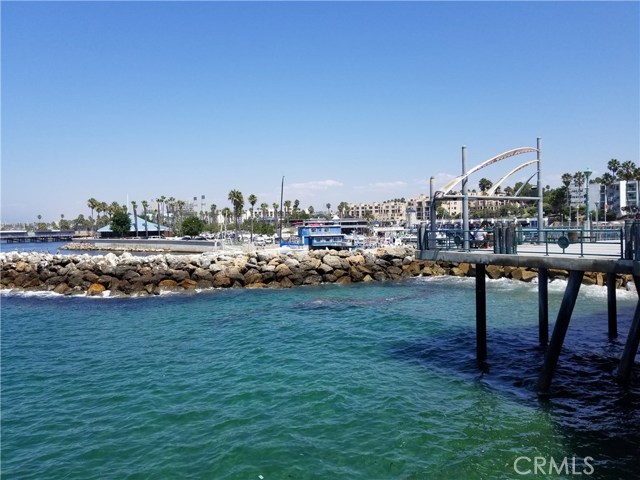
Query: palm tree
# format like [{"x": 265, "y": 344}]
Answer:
[
  {"x": 275, "y": 215},
  {"x": 310, "y": 210},
  {"x": 264, "y": 207},
  {"x": 134, "y": 205},
  {"x": 102, "y": 208},
  {"x": 287, "y": 210},
  {"x": 613, "y": 165},
  {"x": 328, "y": 208},
  {"x": 578, "y": 182},
  {"x": 92, "y": 203},
  {"x": 145, "y": 205},
  {"x": 252, "y": 201},
  {"x": 226, "y": 213},
  {"x": 162, "y": 206},
  {"x": 607, "y": 180},
  {"x": 113, "y": 209},
  {"x": 180, "y": 204},
  {"x": 171, "y": 203},
  {"x": 343, "y": 208},
  {"x": 236, "y": 198},
  {"x": 484, "y": 184},
  {"x": 296, "y": 207},
  {"x": 627, "y": 170},
  {"x": 157, "y": 211},
  {"x": 214, "y": 216}
]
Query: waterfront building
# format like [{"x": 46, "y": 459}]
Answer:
[
  {"x": 621, "y": 197},
  {"x": 152, "y": 229}
]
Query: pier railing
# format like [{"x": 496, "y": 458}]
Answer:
[
  {"x": 573, "y": 241},
  {"x": 506, "y": 238}
]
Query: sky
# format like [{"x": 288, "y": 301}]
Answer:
[{"x": 348, "y": 101}]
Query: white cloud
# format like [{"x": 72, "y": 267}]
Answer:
[
  {"x": 382, "y": 186},
  {"x": 315, "y": 185}
]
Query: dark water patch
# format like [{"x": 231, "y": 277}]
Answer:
[{"x": 597, "y": 416}]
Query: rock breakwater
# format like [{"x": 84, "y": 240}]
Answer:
[{"x": 127, "y": 274}]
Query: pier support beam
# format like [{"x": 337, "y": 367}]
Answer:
[
  {"x": 465, "y": 202},
  {"x": 543, "y": 306},
  {"x": 481, "y": 313},
  {"x": 612, "y": 309},
  {"x": 633, "y": 341},
  {"x": 559, "y": 331}
]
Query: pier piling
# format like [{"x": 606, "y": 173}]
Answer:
[
  {"x": 633, "y": 341},
  {"x": 560, "y": 330},
  {"x": 481, "y": 313},
  {"x": 612, "y": 309},
  {"x": 543, "y": 306}
]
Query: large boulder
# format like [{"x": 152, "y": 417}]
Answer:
[
  {"x": 334, "y": 261},
  {"x": 95, "y": 289},
  {"x": 311, "y": 264},
  {"x": 494, "y": 271},
  {"x": 62, "y": 289},
  {"x": 221, "y": 280},
  {"x": 282, "y": 270},
  {"x": 252, "y": 276},
  {"x": 356, "y": 260},
  {"x": 188, "y": 284},
  {"x": 313, "y": 279},
  {"x": 235, "y": 275},
  {"x": 168, "y": 283}
]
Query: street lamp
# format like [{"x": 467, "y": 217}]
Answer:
[{"x": 587, "y": 174}]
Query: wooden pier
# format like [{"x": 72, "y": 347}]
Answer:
[{"x": 576, "y": 267}]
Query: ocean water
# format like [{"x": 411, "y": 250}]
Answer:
[
  {"x": 375, "y": 381},
  {"x": 47, "y": 247}
]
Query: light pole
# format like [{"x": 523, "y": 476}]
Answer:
[
  {"x": 605, "y": 205},
  {"x": 587, "y": 174}
]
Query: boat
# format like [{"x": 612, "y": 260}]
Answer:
[{"x": 320, "y": 234}]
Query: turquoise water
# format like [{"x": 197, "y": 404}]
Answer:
[
  {"x": 368, "y": 381},
  {"x": 48, "y": 247}
]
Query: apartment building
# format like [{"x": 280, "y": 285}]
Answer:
[{"x": 622, "y": 197}]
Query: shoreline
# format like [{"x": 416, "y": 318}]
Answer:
[{"x": 131, "y": 275}]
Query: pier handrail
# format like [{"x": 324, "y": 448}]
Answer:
[
  {"x": 623, "y": 243},
  {"x": 574, "y": 241}
]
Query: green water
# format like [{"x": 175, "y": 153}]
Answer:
[{"x": 361, "y": 382}]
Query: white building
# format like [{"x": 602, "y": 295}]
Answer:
[{"x": 621, "y": 197}]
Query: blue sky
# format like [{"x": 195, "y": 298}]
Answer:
[{"x": 350, "y": 101}]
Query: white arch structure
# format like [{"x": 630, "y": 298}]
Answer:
[
  {"x": 495, "y": 186},
  {"x": 444, "y": 191},
  {"x": 524, "y": 185},
  {"x": 516, "y": 151}
]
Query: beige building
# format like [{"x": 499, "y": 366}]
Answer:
[{"x": 399, "y": 213}]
